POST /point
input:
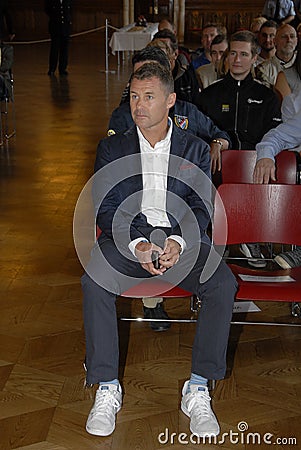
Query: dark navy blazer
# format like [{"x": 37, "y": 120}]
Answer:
[{"x": 118, "y": 187}]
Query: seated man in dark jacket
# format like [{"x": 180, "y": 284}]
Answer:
[
  {"x": 184, "y": 115},
  {"x": 243, "y": 107},
  {"x": 238, "y": 104},
  {"x": 154, "y": 180}
]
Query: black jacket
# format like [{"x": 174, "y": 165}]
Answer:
[
  {"x": 186, "y": 83},
  {"x": 245, "y": 109},
  {"x": 59, "y": 16},
  {"x": 5, "y": 19}
]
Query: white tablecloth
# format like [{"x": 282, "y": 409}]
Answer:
[{"x": 123, "y": 39}]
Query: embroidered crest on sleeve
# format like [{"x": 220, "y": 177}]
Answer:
[
  {"x": 181, "y": 121},
  {"x": 110, "y": 132}
]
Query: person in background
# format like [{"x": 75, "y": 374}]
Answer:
[
  {"x": 59, "y": 13},
  {"x": 281, "y": 11},
  {"x": 284, "y": 58},
  {"x": 256, "y": 24},
  {"x": 183, "y": 56},
  {"x": 293, "y": 73},
  {"x": 210, "y": 30},
  {"x": 266, "y": 41},
  {"x": 185, "y": 82},
  {"x": 6, "y": 23},
  {"x": 209, "y": 73},
  {"x": 287, "y": 135},
  {"x": 243, "y": 107},
  {"x": 297, "y": 19}
]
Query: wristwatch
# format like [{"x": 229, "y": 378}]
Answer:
[{"x": 217, "y": 141}]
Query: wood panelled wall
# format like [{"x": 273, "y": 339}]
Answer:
[
  {"x": 30, "y": 20},
  {"x": 233, "y": 14}
]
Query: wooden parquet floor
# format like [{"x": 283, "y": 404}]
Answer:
[{"x": 43, "y": 405}]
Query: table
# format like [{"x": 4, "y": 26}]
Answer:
[{"x": 124, "y": 39}]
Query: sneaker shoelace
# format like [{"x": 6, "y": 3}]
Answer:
[
  {"x": 105, "y": 403},
  {"x": 200, "y": 403}
]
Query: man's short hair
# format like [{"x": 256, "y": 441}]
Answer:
[
  {"x": 167, "y": 19},
  {"x": 285, "y": 25},
  {"x": 257, "y": 21},
  {"x": 155, "y": 70},
  {"x": 167, "y": 34},
  {"x": 219, "y": 27},
  {"x": 152, "y": 53},
  {"x": 218, "y": 39},
  {"x": 269, "y": 24},
  {"x": 245, "y": 36},
  {"x": 165, "y": 46}
]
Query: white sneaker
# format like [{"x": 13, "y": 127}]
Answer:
[
  {"x": 102, "y": 417},
  {"x": 196, "y": 405}
]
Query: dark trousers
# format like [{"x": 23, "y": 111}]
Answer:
[
  {"x": 110, "y": 273},
  {"x": 58, "y": 52}
]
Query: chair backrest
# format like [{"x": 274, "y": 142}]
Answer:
[
  {"x": 238, "y": 166},
  {"x": 257, "y": 213}
]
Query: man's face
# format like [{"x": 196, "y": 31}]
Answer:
[
  {"x": 286, "y": 40},
  {"x": 217, "y": 51},
  {"x": 240, "y": 59},
  {"x": 149, "y": 102},
  {"x": 208, "y": 35},
  {"x": 266, "y": 38}
]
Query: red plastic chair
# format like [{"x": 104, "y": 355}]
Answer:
[
  {"x": 238, "y": 166},
  {"x": 260, "y": 213}
]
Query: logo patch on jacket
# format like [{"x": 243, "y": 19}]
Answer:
[
  {"x": 110, "y": 132},
  {"x": 181, "y": 121},
  {"x": 253, "y": 100},
  {"x": 225, "y": 108}
]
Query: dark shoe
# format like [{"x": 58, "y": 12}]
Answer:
[
  {"x": 253, "y": 253},
  {"x": 63, "y": 73},
  {"x": 288, "y": 260},
  {"x": 157, "y": 313}
]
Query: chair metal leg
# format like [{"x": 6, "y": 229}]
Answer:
[
  {"x": 1, "y": 127},
  {"x": 296, "y": 309},
  {"x": 8, "y": 134}
]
